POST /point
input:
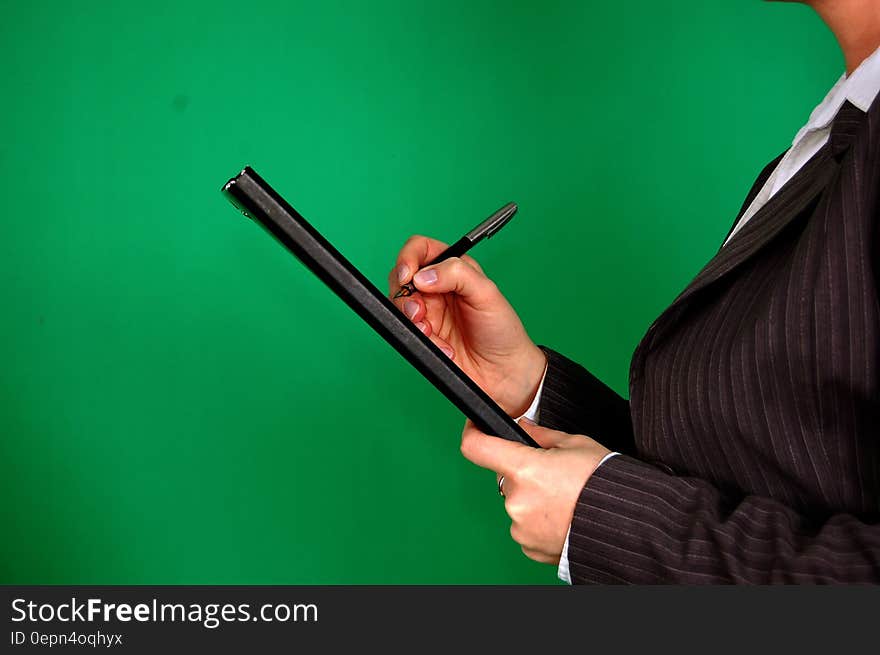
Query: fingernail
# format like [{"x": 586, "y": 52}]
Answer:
[
  {"x": 527, "y": 421},
  {"x": 426, "y": 277},
  {"x": 422, "y": 326},
  {"x": 410, "y": 308},
  {"x": 402, "y": 273},
  {"x": 446, "y": 351}
]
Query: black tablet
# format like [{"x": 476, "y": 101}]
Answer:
[{"x": 257, "y": 200}]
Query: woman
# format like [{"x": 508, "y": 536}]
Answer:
[{"x": 749, "y": 451}]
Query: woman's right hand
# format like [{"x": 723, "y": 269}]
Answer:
[{"x": 464, "y": 314}]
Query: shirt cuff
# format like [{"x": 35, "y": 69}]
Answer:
[
  {"x": 563, "y": 571},
  {"x": 532, "y": 412}
]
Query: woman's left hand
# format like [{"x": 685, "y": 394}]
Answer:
[{"x": 541, "y": 486}]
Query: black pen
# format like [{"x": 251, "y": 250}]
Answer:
[{"x": 483, "y": 231}]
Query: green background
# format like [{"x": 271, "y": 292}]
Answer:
[{"x": 182, "y": 402}]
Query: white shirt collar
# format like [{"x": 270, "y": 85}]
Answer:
[{"x": 860, "y": 89}]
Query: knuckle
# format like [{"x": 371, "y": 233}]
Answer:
[
  {"x": 456, "y": 266},
  {"x": 467, "y": 445},
  {"x": 515, "y": 532},
  {"x": 412, "y": 242},
  {"x": 470, "y": 262},
  {"x": 526, "y": 472},
  {"x": 535, "y": 555}
]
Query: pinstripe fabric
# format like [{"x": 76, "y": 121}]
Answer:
[{"x": 751, "y": 443}]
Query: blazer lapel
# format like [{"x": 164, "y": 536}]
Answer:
[
  {"x": 759, "y": 183},
  {"x": 788, "y": 203}
]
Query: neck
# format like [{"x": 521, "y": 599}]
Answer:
[{"x": 855, "y": 24}]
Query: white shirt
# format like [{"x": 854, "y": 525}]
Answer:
[{"x": 860, "y": 89}]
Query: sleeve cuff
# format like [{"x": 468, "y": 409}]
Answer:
[
  {"x": 573, "y": 400},
  {"x": 617, "y": 526},
  {"x": 563, "y": 570}
]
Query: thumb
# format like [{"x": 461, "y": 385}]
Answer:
[{"x": 545, "y": 437}]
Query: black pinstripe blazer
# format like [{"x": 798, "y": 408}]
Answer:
[{"x": 751, "y": 441}]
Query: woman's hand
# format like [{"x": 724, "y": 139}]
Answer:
[
  {"x": 541, "y": 485},
  {"x": 465, "y": 315}
]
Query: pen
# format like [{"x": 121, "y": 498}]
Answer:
[{"x": 483, "y": 231}]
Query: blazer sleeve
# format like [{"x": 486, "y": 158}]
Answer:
[
  {"x": 574, "y": 401},
  {"x": 637, "y": 524}
]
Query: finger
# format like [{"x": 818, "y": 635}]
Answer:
[
  {"x": 442, "y": 344},
  {"x": 545, "y": 437},
  {"x": 493, "y": 453},
  {"x": 454, "y": 275},
  {"x": 473, "y": 262},
  {"x": 426, "y": 329},
  {"x": 539, "y": 556},
  {"x": 416, "y": 252},
  {"x": 413, "y": 307}
]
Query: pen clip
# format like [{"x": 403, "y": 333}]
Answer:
[{"x": 494, "y": 223}]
